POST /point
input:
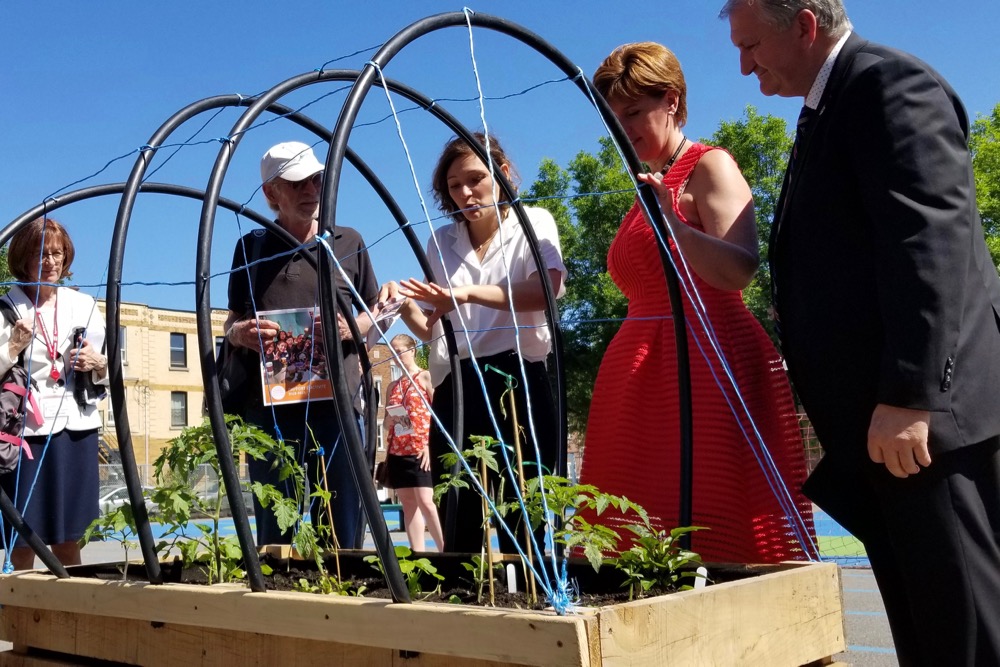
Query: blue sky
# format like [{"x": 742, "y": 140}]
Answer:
[{"x": 87, "y": 82}]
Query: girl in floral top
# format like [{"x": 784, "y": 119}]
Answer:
[{"x": 408, "y": 461}]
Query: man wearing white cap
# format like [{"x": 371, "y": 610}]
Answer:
[{"x": 292, "y": 180}]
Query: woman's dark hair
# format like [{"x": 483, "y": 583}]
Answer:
[
  {"x": 458, "y": 148},
  {"x": 26, "y": 247}
]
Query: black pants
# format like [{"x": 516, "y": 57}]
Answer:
[
  {"x": 345, "y": 502},
  {"x": 933, "y": 540},
  {"x": 467, "y": 536}
]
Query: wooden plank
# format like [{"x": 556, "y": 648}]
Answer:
[
  {"x": 167, "y": 645},
  {"x": 506, "y": 636},
  {"x": 796, "y": 618},
  {"x": 12, "y": 659},
  {"x": 790, "y": 617}
]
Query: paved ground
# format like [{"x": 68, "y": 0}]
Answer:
[{"x": 869, "y": 643}]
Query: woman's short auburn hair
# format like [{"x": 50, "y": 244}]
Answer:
[
  {"x": 26, "y": 246},
  {"x": 642, "y": 68},
  {"x": 455, "y": 149}
]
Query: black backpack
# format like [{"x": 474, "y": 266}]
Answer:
[
  {"x": 238, "y": 368},
  {"x": 15, "y": 395}
]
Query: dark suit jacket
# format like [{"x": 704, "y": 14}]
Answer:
[{"x": 883, "y": 284}]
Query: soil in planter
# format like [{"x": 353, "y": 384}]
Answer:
[{"x": 595, "y": 588}]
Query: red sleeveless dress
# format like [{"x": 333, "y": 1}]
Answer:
[{"x": 632, "y": 445}]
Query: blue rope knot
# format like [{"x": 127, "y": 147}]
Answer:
[
  {"x": 564, "y": 596},
  {"x": 320, "y": 451},
  {"x": 8, "y": 567}
]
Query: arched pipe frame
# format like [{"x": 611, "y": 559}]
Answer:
[
  {"x": 328, "y": 306},
  {"x": 227, "y": 466},
  {"x": 131, "y": 189},
  {"x": 338, "y": 149},
  {"x": 348, "y": 424},
  {"x": 337, "y": 153}
]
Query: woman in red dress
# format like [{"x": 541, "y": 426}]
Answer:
[{"x": 741, "y": 427}]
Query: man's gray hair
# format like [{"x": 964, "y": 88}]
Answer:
[{"x": 830, "y": 14}]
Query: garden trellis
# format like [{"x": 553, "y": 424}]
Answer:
[{"x": 362, "y": 81}]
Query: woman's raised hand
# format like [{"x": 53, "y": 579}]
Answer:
[{"x": 441, "y": 298}]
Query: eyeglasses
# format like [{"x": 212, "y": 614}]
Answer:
[
  {"x": 54, "y": 257},
  {"x": 316, "y": 180}
]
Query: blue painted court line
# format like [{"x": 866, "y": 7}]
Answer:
[
  {"x": 864, "y": 613},
  {"x": 871, "y": 649},
  {"x": 861, "y": 590}
]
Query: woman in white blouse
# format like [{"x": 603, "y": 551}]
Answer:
[
  {"x": 482, "y": 261},
  {"x": 58, "y": 337}
]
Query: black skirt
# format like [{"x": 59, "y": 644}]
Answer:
[
  {"x": 65, "y": 498},
  {"x": 405, "y": 473}
]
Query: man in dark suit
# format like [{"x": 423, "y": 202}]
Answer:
[{"x": 887, "y": 305}]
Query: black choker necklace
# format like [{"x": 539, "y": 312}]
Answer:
[{"x": 673, "y": 158}]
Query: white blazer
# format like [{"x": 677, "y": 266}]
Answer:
[{"x": 59, "y": 408}]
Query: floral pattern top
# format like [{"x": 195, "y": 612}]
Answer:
[{"x": 416, "y": 400}]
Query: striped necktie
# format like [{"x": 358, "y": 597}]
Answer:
[{"x": 801, "y": 127}]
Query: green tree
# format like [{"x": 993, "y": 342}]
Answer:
[
  {"x": 984, "y": 143},
  {"x": 760, "y": 145},
  {"x": 5, "y": 275},
  {"x": 592, "y": 308}
]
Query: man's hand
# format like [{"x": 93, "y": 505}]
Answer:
[
  {"x": 897, "y": 437},
  {"x": 343, "y": 329},
  {"x": 245, "y": 332}
]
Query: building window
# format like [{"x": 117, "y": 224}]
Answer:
[
  {"x": 109, "y": 414},
  {"x": 178, "y": 350},
  {"x": 378, "y": 387},
  {"x": 178, "y": 409},
  {"x": 395, "y": 372},
  {"x": 218, "y": 345},
  {"x": 123, "y": 345},
  {"x": 381, "y": 436}
]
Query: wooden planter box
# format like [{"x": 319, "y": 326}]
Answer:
[{"x": 789, "y": 615}]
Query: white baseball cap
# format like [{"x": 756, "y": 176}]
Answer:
[{"x": 291, "y": 161}]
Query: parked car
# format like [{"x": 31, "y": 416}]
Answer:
[
  {"x": 118, "y": 496},
  {"x": 209, "y": 497}
]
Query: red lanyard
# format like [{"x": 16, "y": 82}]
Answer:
[{"x": 51, "y": 344}]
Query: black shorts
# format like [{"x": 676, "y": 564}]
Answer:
[{"x": 404, "y": 472}]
